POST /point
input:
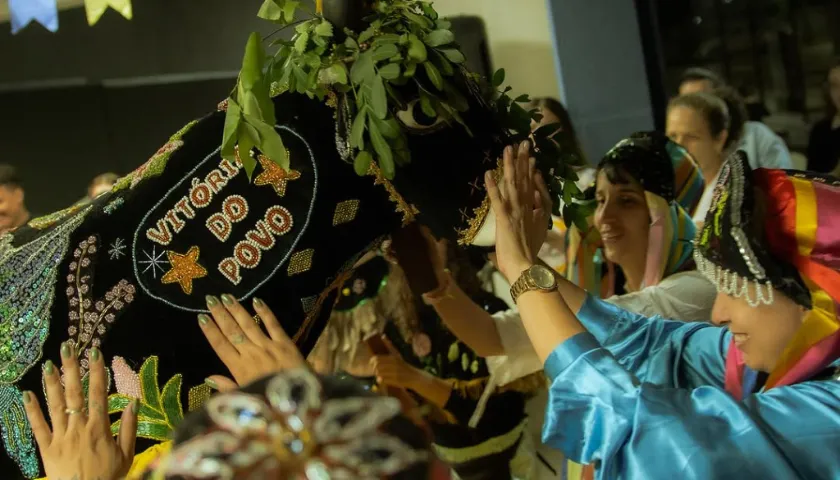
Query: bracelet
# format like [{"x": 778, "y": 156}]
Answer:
[{"x": 441, "y": 293}]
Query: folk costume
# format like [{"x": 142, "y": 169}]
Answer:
[
  {"x": 367, "y": 122},
  {"x": 680, "y": 392}
]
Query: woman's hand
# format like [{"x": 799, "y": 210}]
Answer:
[
  {"x": 438, "y": 255},
  {"x": 241, "y": 344},
  {"x": 522, "y": 206},
  {"x": 80, "y": 444},
  {"x": 391, "y": 370}
]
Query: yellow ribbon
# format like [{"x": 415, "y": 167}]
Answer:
[
  {"x": 96, "y": 8},
  {"x": 319, "y": 7}
]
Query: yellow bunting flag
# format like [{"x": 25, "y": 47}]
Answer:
[{"x": 96, "y": 8}]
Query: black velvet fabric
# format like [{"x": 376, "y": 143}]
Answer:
[{"x": 161, "y": 318}]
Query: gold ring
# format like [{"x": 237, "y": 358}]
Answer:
[
  {"x": 257, "y": 319},
  {"x": 238, "y": 339},
  {"x": 71, "y": 411}
]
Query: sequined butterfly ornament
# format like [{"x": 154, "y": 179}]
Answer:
[{"x": 293, "y": 429}]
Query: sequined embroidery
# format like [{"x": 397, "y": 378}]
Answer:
[
  {"x": 198, "y": 396},
  {"x": 117, "y": 249},
  {"x": 184, "y": 269},
  {"x": 275, "y": 176},
  {"x": 126, "y": 380},
  {"x": 90, "y": 319},
  {"x": 345, "y": 212},
  {"x": 466, "y": 236},
  {"x": 160, "y": 409},
  {"x": 46, "y": 221},
  {"x": 28, "y": 274},
  {"x": 301, "y": 262},
  {"x": 408, "y": 211},
  {"x": 155, "y": 165},
  {"x": 308, "y": 303},
  {"x": 113, "y": 205},
  {"x": 154, "y": 262},
  {"x": 16, "y": 431}
]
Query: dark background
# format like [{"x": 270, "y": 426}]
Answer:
[{"x": 88, "y": 100}]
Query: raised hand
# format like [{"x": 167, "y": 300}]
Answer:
[
  {"x": 391, "y": 370},
  {"x": 241, "y": 344},
  {"x": 80, "y": 444}
]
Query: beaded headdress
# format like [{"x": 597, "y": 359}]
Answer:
[
  {"x": 771, "y": 230},
  {"x": 297, "y": 425}
]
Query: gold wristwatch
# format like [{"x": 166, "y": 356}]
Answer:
[{"x": 537, "y": 278}]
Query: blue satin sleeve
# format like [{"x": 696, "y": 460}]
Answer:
[{"x": 630, "y": 397}]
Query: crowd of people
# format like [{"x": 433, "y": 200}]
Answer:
[{"x": 691, "y": 328}]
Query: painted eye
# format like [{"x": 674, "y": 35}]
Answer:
[{"x": 415, "y": 120}]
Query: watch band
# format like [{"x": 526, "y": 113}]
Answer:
[{"x": 523, "y": 284}]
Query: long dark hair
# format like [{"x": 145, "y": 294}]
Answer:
[{"x": 567, "y": 136}]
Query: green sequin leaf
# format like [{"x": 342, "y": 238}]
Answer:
[
  {"x": 149, "y": 385},
  {"x": 16, "y": 431},
  {"x": 172, "y": 407},
  {"x": 147, "y": 429}
]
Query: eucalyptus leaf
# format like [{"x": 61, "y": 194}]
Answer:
[
  {"x": 251, "y": 105},
  {"x": 362, "y": 162},
  {"x": 420, "y": 20},
  {"x": 443, "y": 24},
  {"x": 523, "y": 99},
  {"x": 324, "y": 29},
  {"x": 386, "y": 38},
  {"x": 358, "y": 130},
  {"x": 384, "y": 154},
  {"x": 426, "y": 106},
  {"x": 499, "y": 78},
  {"x": 434, "y": 75},
  {"x": 271, "y": 11},
  {"x": 233, "y": 117},
  {"x": 252, "y": 63},
  {"x": 454, "y": 55},
  {"x": 384, "y": 52},
  {"x": 416, "y": 49},
  {"x": 378, "y": 98},
  {"x": 301, "y": 79},
  {"x": 289, "y": 11},
  {"x": 443, "y": 64},
  {"x": 439, "y": 38},
  {"x": 351, "y": 44},
  {"x": 429, "y": 11},
  {"x": 270, "y": 142},
  {"x": 335, "y": 73},
  {"x": 388, "y": 128},
  {"x": 390, "y": 71},
  {"x": 410, "y": 70},
  {"x": 362, "y": 69}
]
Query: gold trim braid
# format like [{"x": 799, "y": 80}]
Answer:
[
  {"x": 466, "y": 236},
  {"x": 409, "y": 211}
]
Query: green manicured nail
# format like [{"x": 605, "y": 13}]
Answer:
[
  {"x": 203, "y": 319},
  {"x": 227, "y": 300},
  {"x": 135, "y": 406},
  {"x": 210, "y": 383},
  {"x": 65, "y": 350},
  {"x": 212, "y": 301},
  {"x": 48, "y": 367},
  {"x": 94, "y": 354},
  {"x": 258, "y": 303}
]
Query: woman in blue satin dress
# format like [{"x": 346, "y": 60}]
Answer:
[{"x": 754, "y": 396}]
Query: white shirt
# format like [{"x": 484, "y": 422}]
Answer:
[
  {"x": 686, "y": 296},
  {"x": 764, "y": 148},
  {"x": 705, "y": 201}
]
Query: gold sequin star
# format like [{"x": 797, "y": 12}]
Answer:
[
  {"x": 275, "y": 176},
  {"x": 185, "y": 269}
]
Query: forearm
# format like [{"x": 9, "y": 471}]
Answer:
[
  {"x": 548, "y": 320},
  {"x": 573, "y": 295},
  {"x": 432, "y": 389},
  {"x": 468, "y": 321}
]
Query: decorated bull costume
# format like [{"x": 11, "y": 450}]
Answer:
[{"x": 275, "y": 196}]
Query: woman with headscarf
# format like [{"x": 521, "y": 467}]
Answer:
[{"x": 649, "y": 398}]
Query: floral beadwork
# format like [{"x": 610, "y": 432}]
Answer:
[
  {"x": 293, "y": 429},
  {"x": 47, "y": 221},
  {"x": 160, "y": 409},
  {"x": 28, "y": 274},
  {"x": 117, "y": 250},
  {"x": 90, "y": 319},
  {"x": 155, "y": 165},
  {"x": 16, "y": 431},
  {"x": 113, "y": 205}
]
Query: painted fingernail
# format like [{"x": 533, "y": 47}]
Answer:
[
  {"x": 508, "y": 150},
  {"x": 65, "y": 350},
  {"x": 524, "y": 146},
  {"x": 212, "y": 301},
  {"x": 227, "y": 300},
  {"x": 27, "y": 397},
  {"x": 203, "y": 319},
  {"x": 210, "y": 383},
  {"x": 48, "y": 367},
  {"x": 258, "y": 303},
  {"x": 94, "y": 354},
  {"x": 135, "y": 406}
]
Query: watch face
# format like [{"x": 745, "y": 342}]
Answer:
[{"x": 543, "y": 277}]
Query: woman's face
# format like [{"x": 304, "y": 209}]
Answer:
[
  {"x": 761, "y": 333},
  {"x": 689, "y": 128},
  {"x": 622, "y": 218},
  {"x": 834, "y": 86}
]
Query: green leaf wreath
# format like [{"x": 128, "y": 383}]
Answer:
[{"x": 406, "y": 42}]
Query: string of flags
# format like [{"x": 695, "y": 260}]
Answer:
[{"x": 45, "y": 12}]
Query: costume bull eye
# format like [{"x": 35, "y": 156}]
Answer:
[{"x": 416, "y": 121}]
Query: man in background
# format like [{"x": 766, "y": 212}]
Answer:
[
  {"x": 13, "y": 212},
  {"x": 764, "y": 148}
]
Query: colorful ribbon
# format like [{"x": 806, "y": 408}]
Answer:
[
  {"x": 96, "y": 8},
  {"x": 23, "y": 12}
]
